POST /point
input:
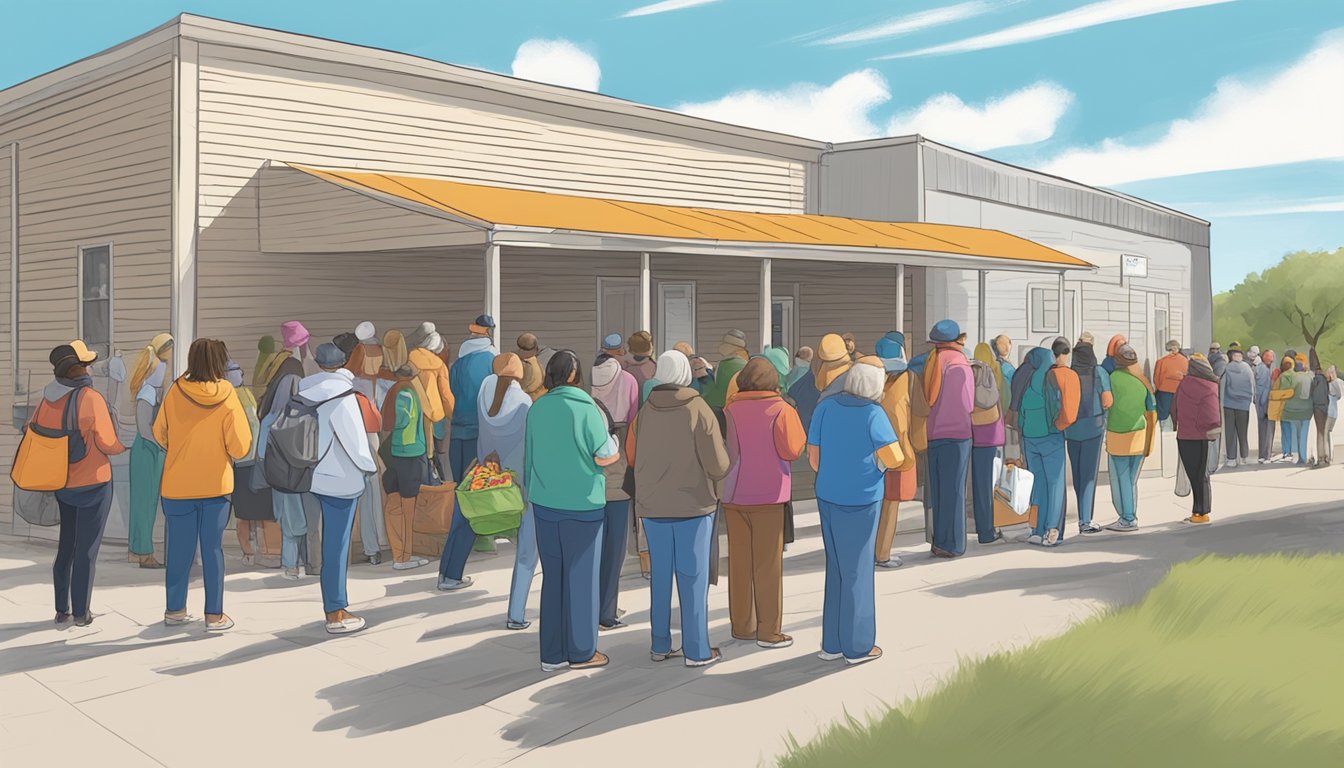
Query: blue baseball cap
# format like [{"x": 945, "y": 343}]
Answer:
[
  {"x": 613, "y": 341},
  {"x": 891, "y": 349},
  {"x": 944, "y": 331}
]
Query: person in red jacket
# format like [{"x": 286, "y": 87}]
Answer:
[
  {"x": 1167, "y": 375},
  {"x": 1197, "y": 415}
]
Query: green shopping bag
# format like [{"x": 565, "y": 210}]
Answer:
[{"x": 493, "y": 509}]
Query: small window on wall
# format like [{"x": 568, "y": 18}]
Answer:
[
  {"x": 95, "y": 298},
  {"x": 1044, "y": 311}
]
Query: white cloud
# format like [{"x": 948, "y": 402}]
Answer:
[
  {"x": 846, "y": 110},
  {"x": 1024, "y": 116},
  {"x": 664, "y": 7},
  {"x": 558, "y": 62},
  {"x": 1092, "y": 15},
  {"x": 904, "y": 25},
  {"x": 1275, "y": 208},
  {"x": 1294, "y": 116}
]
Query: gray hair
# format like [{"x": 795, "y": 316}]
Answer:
[{"x": 865, "y": 381}]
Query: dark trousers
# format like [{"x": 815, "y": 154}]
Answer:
[
  {"x": 615, "y": 535},
  {"x": 1084, "y": 460},
  {"x": 1195, "y": 459},
  {"x": 1266, "y": 432},
  {"x": 1164, "y": 404},
  {"x": 1237, "y": 438},
  {"x": 982, "y": 491},
  {"x": 457, "y": 547},
  {"x": 569, "y": 545},
  {"x": 949, "y": 461},
  {"x": 83, "y": 516}
]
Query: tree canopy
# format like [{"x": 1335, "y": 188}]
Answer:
[{"x": 1297, "y": 303}]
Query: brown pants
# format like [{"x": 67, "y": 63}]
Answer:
[
  {"x": 756, "y": 570},
  {"x": 399, "y": 517},
  {"x": 886, "y": 531},
  {"x": 269, "y": 537}
]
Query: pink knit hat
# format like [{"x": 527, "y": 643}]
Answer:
[{"x": 293, "y": 334}]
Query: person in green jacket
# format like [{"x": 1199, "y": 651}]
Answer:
[
  {"x": 1297, "y": 410},
  {"x": 733, "y": 350},
  {"x": 1131, "y": 425},
  {"x": 565, "y": 449}
]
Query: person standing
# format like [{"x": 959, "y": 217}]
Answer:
[
  {"x": 426, "y": 347},
  {"x": 615, "y": 389},
  {"x": 1012, "y": 439},
  {"x": 850, "y": 443},
  {"x": 86, "y": 499},
  {"x": 1131, "y": 427},
  {"x": 147, "y": 380},
  {"x": 1115, "y": 343},
  {"x": 829, "y": 369},
  {"x": 733, "y": 358},
  {"x": 298, "y": 514},
  {"x": 949, "y": 390},
  {"x": 1279, "y": 396},
  {"x": 1336, "y": 391},
  {"x": 1198, "y": 419},
  {"x": 1167, "y": 375},
  {"x": 1261, "y": 366},
  {"x": 987, "y": 440},
  {"x": 565, "y": 449},
  {"x": 641, "y": 364},
  {"x": 204, "y": 429},
  {"x": 677, "y": 469},
  {"x": 1238, "y": 393},
  {"x": 475, "y": 361},
  {"x": 365, "y": 364},
  {"x": 1320, "y": 411},
  {"x": 1049, "y": 406},
  {"x": 899, "y": 483},
  {"x": 1298, "y": 410},
  {"x": 254, "y": 519},
  {"x": 1217, "y": 360},
  {"x": 404, "y": 445},
  {"x": 1083, "y": 438},
  {"x": 338, "y": 478},
  {"x": 802, "y": 366},
  {"x": 295, "y": 339},
  {"x": 764, "y": 438},
  {"x": 529, "y": 351}
]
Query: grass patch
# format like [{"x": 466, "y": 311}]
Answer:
[{"x": 1228, "y": 662}]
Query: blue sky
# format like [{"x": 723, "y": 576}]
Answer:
[{"x": 1227, "y": 109}]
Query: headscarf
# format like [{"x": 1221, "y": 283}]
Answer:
[
  {"x": 394, "y": 351},
  {"x": 1036, "y": 356},
  {"x": 1200, "y": 368},
  {"x": 266, "y": 349},
  {"x": 673, "y": 368},
  {"x": 606, "y": 380},
  {"x": 918, "y": 362},
  {"x": 1116, "y": 341},
  {"x": 1045, "y": 360},
  {"x": 780, "y": 359},
  {"x": 986, "y": 355},
  {"x": 933, "y": 376},
  {"x": 1084, "y": 363},
  {"x": 151, "y": 357},
  {"x": 508, "y": 370}
]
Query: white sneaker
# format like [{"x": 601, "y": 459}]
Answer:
[
  {"x": 1263, "y": 461},
  {"x": 1231, "y": 463},
  {"x": 554, "y": 667},
  {"x": 1036, "y": 540},
  {"x": 349, "y": 624},
  {"x": 824, "y": 656},
  {"x": 452, "y": 585},
  {"x": 414, "y": 562},
  {"x": 291, "y": 574},
  {"x": 1124, "y": 526},
  {"x": 894, "y": 562}
]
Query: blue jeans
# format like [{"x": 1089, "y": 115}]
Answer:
[
  {"x": 457, "y": 547},
  {"x": 1285, "y": 437},
  {"x": 849, "y": 610},
  {"x": 949, "y": 460},
  {"x": 615, "y": 534},
  {"x": 299, "y": 515},
  {"x": 680, "y": 546},
  {"x": 1164, "y": 404},
  {"x": 1301, "y": 429},
  {"x": 1085, "y": 460},
  {"x": 461, "y": 453},
  {"x": 524, "y": 566},
  {"x": 1125, "y": 486},
  {"x": 83, "y": 517},
  {"x": 1045, "y": 460},
  {"x": 568, "y": 544},
  {"x": 338, "y": 519},
  {"x": 982, "y": 491},
  {"x": 189, "y": 522}
]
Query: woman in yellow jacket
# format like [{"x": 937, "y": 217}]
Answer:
[
  {"x": 204, "y": 429},
  {"x": 899, "y": 482},
  {"x": 1278, "y": 397}
]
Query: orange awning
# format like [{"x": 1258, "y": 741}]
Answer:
[{"x": 504, "y": 210}]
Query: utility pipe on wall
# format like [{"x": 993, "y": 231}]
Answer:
[
  {"x": 767, "y": 304},
  {"x": 645, "y": 294},
  {"x": 492, "y": 288},
  {"x": 14, "y": 262},
  {"x": 900, "y": 298}
]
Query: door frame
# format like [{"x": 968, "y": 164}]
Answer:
[
  {"x": 602, "y": 283},
  {"x": 656, "y": 318}
]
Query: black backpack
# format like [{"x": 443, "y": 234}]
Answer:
[{"x": 291, "y": 446}]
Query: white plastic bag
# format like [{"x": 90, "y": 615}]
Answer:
[{"x": 1016, "y": 488}]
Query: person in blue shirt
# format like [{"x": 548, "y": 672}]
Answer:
[
  {"x": 850, "y": 444},
  {"x": 1083, "y": 439}
]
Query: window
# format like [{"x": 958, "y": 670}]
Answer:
[
  {"x": 95, "y": 298},
  {"x": 1044, "y": 306},
  {"x": 676, "y": 314},
  {"x": 782, "y": 323}
]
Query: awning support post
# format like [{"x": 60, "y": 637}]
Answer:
[
  {"x": 900, "y": 298},
  {"x": 980, "y": 308},
  {"x": 492, "y": 287},
  {"x": 767, "y": 304},
  {"x": 1062, "y": 308},
  {"x": 645, "y": 294}
]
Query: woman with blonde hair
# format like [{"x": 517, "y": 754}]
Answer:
[
  {"x": 147, "y": 456},
  {"x": 404, "y": 444}
]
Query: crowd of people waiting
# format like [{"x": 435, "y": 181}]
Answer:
[{"x": 659, "y": 445}]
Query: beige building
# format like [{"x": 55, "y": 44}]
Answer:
[{"x": 214, "y": 179}]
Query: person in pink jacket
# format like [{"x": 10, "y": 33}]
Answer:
[
  {"x": 949, "y": 389},
  {"x": 1197, "y": 414},
  {"x": 765, "y": 436}
]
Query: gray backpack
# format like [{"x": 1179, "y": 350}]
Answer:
[
  {"x": 986, "y": 394},
  {"x": 291, "y": 446}
]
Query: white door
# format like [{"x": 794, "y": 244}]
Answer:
[
  {"x": 617, "y": 306},
  {"x": 676, "y": 315},
  {"x": 783, "y": 323}
]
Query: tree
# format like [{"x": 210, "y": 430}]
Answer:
[{"x": 1300, "y": 299}]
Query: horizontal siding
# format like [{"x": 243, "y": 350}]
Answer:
[{"x": 95, "y": 167}]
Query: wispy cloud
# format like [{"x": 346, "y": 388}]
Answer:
[
  {"x": 1265, "y": 208},
  {"x": 1024, "y": 116},
  {"x": 558, "y": 62},
  {"x": 915, "y": 22},
  {"x": 1293, "y": 116},
  {"x": 664, "y": 7},
  {"x": 1092, "y": 15}
]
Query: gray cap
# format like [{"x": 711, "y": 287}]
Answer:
[{"x": 329, "y": 356}]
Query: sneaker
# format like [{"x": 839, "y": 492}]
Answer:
[
  {"x": 1052, "y": 537},
  {"x": 84, "y": 621},
  {"x": 824, "y": 656},
  {"x": 943, "y": 553},
  {"x": 714, "y": 655},
  {"x": 554, "y": 667},
  {"x": 1124, "y": 526},
  {"x": 414, "y": 562},
  {"x": 873, "y": 655},
  {"x": 178, "y": 619},
  {"x": 1089, "y": 528},
  {"x": 290, "y": 573},
  {"x": 998, "y": 537},
  {"x": 1264, "y": 461},
  {"x": 223, "y": 623},
  {"x": 655, "y": 656},
  {"x": 609, "y": 626},
  {"x": 1230, "y": 463},
  {"x": 598, "y": 661},
  {"x": 345, "y": 625},
  {"x": 517, "y": 626},
  {"x": 375, "y": 559},
  {"x": 1197, "y": 520},
  {"x": 784, "y": 641},
  {"x": 63, "y": 618},
  {"x": 1035, "y": 540},
  {"x": 894, "y": 562},
  {"x": 452, "y": 585}
]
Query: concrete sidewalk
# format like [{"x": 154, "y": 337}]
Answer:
[{"x": 436, "y": 676}]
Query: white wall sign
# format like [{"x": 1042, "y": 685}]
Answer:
[{"x": 1133, "y": 266}]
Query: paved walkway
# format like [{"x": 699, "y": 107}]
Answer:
[{"x": 437, "y": 677}]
